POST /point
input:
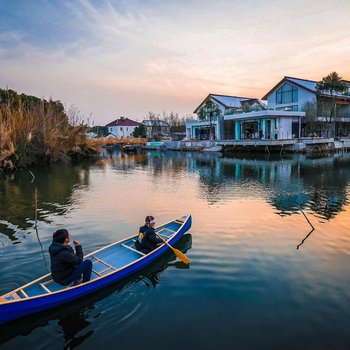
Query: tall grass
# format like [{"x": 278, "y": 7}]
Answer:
[{"x": 36, "y": 132}]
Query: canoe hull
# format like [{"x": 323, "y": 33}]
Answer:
[{"x": 19, "y": 308}]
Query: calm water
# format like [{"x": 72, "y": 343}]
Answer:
[{"x": 257, "y": 280}]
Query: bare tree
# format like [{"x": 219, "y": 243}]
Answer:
[{"x": 310, "y": 108}]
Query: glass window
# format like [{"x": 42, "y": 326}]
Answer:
[{"x": 287, "y": 93}]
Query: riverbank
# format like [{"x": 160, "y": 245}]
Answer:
[
  {"x": 305, "y": 145},
  {"x": 35, "y": 131}
]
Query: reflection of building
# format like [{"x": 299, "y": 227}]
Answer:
[
  {"x": 285, "y": 184},
  {"x": 156, "y": 127},
  {"x": 122, "y": 127},
  {"x": 283, "y": 117}
]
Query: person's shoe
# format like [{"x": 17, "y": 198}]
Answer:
[{"x": 77, "y": 282}]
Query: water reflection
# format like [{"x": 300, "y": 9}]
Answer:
[
  {"x": 75, "y": 320},
  {"x": 305, "y": 238},
  {"x": 318, "y": 184},
  {"x": 73, "y": 325},
  {"x": 245, "y": 265},
  {"x": 58, "y": 189}
]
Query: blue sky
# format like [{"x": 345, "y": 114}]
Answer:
[{"x": 126, "y": 58}]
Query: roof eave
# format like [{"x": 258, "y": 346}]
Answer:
[
  {"x": 196, "y": 110},
  {"x": 286, "y": 78}
]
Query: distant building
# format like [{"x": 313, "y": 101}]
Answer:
[
  {"x": 110, "y": 136},
  {"x": 122, "y": 127},
  {"x": 156, "y": 127},
  {"x": 91, "y": 135}
]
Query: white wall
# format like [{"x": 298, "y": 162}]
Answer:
[
  {"x": 121, "y": 131},
  {"x": 284, "y": 126}
]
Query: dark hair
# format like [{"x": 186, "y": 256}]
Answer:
[
  {"x": 148, "y": 219},
  {"x": 60, "y": 235}
]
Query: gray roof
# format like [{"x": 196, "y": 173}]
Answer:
[
  {"x": 226, "y": 101},
  {"x": 229, "y": 101},
  {"x": 309, "y": 85}
]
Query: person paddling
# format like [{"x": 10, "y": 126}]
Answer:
[
  {"x": 68, "y": 266},
  {"x": 147, "y": 239}
]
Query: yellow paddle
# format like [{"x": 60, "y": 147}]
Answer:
[{"x": 177, "y": 252}]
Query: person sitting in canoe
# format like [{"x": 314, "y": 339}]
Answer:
[
  {"x": 67, "y": 266},
  {"x": 147, "y": 239}
]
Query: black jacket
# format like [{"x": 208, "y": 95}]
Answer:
[
  {"x": 64, "y": 260},
  {"x": 147, "y": 240}
]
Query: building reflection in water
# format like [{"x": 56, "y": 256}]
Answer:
[{"x": 320, "y": 185}]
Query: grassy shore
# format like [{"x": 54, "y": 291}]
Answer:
[{"x": 36, "y": 131}]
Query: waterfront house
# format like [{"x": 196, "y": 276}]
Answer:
[
  {"x": 156, "y": 128},
  {"x": 122, "y": 127},
  {"x": 213, "y": 121},
  {"x": 284, "y": 116},
  {"x": 294, "y": 94}
]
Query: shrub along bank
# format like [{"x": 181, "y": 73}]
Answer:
[{"x": 37, "y": 131}]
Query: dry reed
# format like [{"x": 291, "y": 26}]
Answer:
[{"x": 39, "y": 134}]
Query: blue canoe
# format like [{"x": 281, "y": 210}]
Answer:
[{"x": 110, "y": 264}]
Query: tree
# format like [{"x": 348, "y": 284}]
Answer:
[
  {"x": 327, "y": 90},
  {"x": 211, "y": 112},
  {"x": 176, "y": 124},
  {"x": 99, "y": 130},
  {"x": 140, "y": 131},
  {"x": 155, "y": 127},
  {"x": 310, "y": 108}
]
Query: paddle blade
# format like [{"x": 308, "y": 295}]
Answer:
[{"x": 181, "y": 256}]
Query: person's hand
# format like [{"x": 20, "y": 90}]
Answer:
[{"x": 76, "y": 243}]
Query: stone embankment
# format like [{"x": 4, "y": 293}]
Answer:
[{"x": 305, "y": 145}]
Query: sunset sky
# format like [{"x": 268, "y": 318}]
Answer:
[{"x": 126, "y": 58}]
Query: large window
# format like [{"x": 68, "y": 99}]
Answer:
[{"x": 287, "y": 93}]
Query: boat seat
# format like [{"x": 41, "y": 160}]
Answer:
[
  {"x": 48, "y": 282},
  {"x": 47, "y": 290},
  {"x": 165, "y": 229},
  {"x": 10, "y": 297},
  {"x": 165, "y": 232},
  {"x": 163, "y": 236},
  {"x": 131, "y": 248},
  {"x": 100, "y": 271}
]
